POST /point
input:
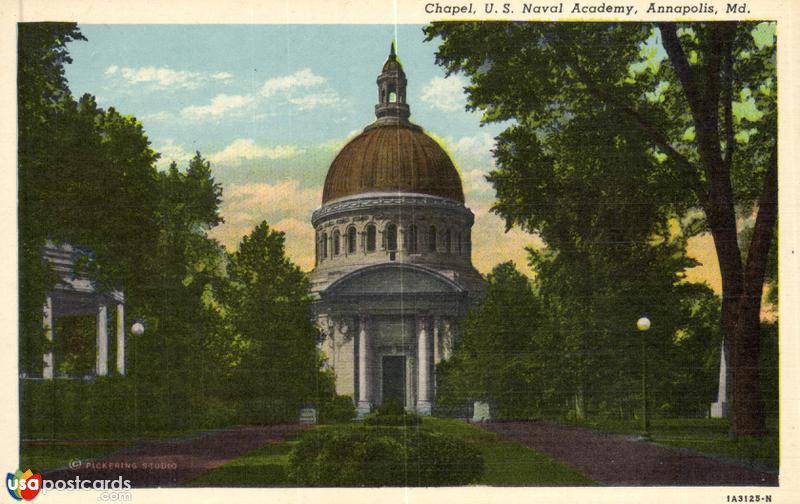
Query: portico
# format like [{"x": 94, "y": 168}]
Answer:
[{"x": 385, "y": 330}]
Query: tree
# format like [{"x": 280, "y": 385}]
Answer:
[
  {"x": 41, "y": 88},
  {"x": 500, "y": 356},
  {"x": 707, "y": 121},
  {"x": 268, "y": 306}
]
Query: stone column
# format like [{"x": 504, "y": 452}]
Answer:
[
  {"x": 423, "y": 362},
  {"x": 49, "y": 331},
  {"x": 364, "y": 396},
  {"x": 437, "y": 341},
  {"x": 121, "y": 339},
  {"x": 101, "y": 365}
]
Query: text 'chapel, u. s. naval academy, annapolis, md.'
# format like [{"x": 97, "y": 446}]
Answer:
[{"x": 393, "y": 272}]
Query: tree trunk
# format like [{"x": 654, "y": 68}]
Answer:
[
  {"x": 748, "y": 406},
  {"x": 742, "y": 325}
]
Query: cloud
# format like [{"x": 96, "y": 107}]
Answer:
[
  {"x": 222, "y": 76},
  {"x": 285, "y": 205},
  {"x": 221, "y": 105},
  {"x": 246, "y": 148},
  {"x": 170, "y": 151},
  {"x": 165, "y": 77},
  {"x": 162, "y": 117},
  {"x": 224, "y": 105},
  {"x": 474, "y": 150},
  {"x": 299, "y": 241},
  {"x": 491, "y": 245},
  {"x": 445, "y": 94},
  {"x": 311, "y": 101},
  {"x": 476, "y": 185},
  {"x": 304, "y": 78}
]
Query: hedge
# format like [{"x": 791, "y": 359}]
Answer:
[{"x": 363, "y": 455}]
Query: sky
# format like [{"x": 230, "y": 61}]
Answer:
[{"x": 270, "y": 106}]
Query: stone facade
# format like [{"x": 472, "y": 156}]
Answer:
[{"x": 393, "y": 274}]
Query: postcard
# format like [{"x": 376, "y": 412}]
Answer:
[{"x": 405, "y": 251}]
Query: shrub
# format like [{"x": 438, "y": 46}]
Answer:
[
  {"x": 337, "y": 410},
  {"x": 392, "y": 412},
  {"x": 406, "y": 419},
  {"x": 361, "y": 455},
  {"x": 390, "y": 407}
]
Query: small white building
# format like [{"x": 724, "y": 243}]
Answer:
[
  {"x": 393, "y": 271},
  {"x": 78, "y": 294}
]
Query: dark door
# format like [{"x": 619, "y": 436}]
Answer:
[{"x": 394, "y": 378}]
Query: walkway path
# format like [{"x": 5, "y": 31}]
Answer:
[
  {"x": 617, "y": 460},
  {"x": 173, "y": 462}
]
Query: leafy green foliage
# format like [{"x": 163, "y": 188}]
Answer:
[
  {"x": 392, "y": 412},
  {"x": 609, "y": 154},
  {"x": 355, "y": 455},
  {"x": 228, "y": 337},
  {"x": 268, "y": 308},
  {"x": 547, "y": 353},
  {"x": 337, "y": 409}
]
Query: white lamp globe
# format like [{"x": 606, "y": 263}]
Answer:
[
  {"x": 137, "y": 329},
  {"x": 643, "y": 324}
]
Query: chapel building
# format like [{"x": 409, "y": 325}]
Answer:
[{"x": 393, "y": 272}]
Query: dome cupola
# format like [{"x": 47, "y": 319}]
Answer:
[
  {"x": 392, "y": 154},
  {"x": 392, "y": 91}
]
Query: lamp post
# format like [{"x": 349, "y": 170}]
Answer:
[
  {"x": 643, "y": 324},
  {"x": 137, "y": 329}
]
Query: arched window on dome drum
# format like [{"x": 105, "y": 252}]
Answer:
[
  {"x": 432, "y": 239},
  {"x": 351, "y": 240},
  {"x": 391, "y": 237},
  {"x": 336, "y": 243},
  {"x": 412, "y": 239},
  {"x": 323, "y": 243},
  {"x": 392, "y": 97},
  {"x": 371, "y": 238},
  {"x": 447, "y": 241}
]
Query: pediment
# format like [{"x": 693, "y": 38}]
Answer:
[{"x": 392, "y": 279}]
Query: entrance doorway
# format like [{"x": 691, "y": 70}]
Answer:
[{"x": 393, "y": 381}]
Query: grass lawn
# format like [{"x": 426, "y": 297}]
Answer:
[
  {"x": 264, "y": 467},
  {"x": 706, "y": 435},
  {"x": 507, "y": 463}
]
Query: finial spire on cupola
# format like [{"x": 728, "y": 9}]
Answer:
[{"x": 392, "y": 106}]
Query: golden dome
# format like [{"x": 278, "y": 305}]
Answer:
[{"x": 397, "y": 157}]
